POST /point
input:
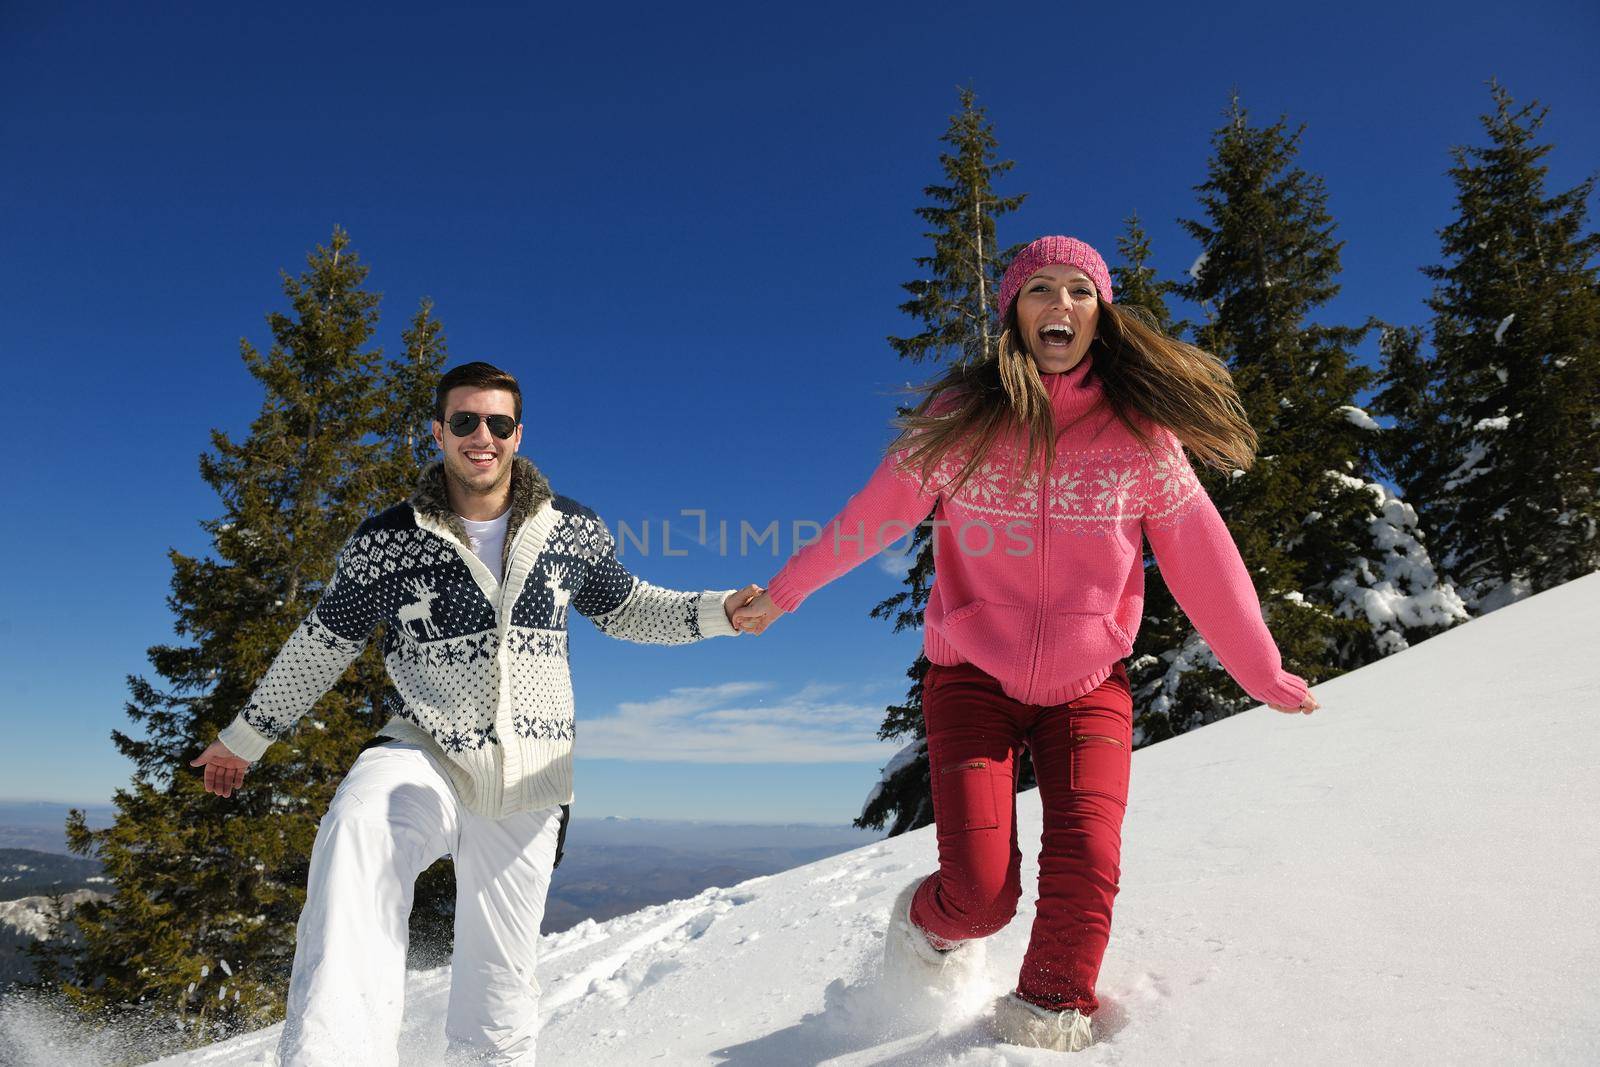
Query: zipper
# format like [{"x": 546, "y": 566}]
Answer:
[
  {"x": 1044, "y": 554},
  {"x": 1096, "y": 737},
  {"x": 505, "y": 571},
  {"x": 511, "y": 554},
  {"x": 970, "y": 765},
  {"x": 502, "y": 624}
]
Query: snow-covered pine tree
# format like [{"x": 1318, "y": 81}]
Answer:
[
  {"x": 1501, "y": 425},
  {"x": 199, "y": 932},
  {"x": 1336, "y": 559},
  {"x": 953, "y": 301}
]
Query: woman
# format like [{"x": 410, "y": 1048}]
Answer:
[{"x": 1045, "y": 469}]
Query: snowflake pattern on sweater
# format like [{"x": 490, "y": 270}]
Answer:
[{"x": 1086, "y": 490}]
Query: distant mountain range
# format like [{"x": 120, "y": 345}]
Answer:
[
  {"x": 41, "y": 824},
  {"x": 616, "y": 866},
  {"x": 30, "y": 880},
  {"x": 611, "y": 867},
  {"x": 27, "y": 872}
]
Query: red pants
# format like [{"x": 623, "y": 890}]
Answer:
[{"x": 1081, "y": 756}]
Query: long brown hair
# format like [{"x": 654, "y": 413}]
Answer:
[{"x": 1147, "y": 377}]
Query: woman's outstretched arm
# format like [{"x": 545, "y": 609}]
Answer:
[
  {"x": 884, "y": 510},
  {"x": 1207, "y": 576}
]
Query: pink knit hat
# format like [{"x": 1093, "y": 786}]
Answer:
[{"x": 1048, "y": 252}]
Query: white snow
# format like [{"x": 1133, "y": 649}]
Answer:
[
  {"x": 1499, "y": 596},
  {"x": 1500, "y": 423},
  {"x": 31, "y": 916},
  {"x": 1198, "y": 265},
  {"x": 1396, "y": 586},
  {"x": 1359, "y": 417},
  {"x": 1406, "y": 876},
  {"x": 1158, "y": 698},
  {"x": 1468, "y": 468},
  {"x": 1500, "y": 331},
  {"x": 1350, "y": 481},
  {"x": 898, "y": 762}
]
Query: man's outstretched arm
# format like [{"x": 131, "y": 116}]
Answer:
[
  {"x": 309, "y": 664},
  {"x": 623, "y": 605}
]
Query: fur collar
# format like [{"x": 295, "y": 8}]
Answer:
[{"x": 529, "y": 490}]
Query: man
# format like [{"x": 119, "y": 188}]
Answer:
[{"x": 473, "y": 576}]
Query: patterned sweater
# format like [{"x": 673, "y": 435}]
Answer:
[
  {"x": 1040, "y": 582},
  {"x": 479, "y": 669}
]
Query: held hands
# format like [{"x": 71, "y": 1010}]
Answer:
[
  {"x": 224, "y": 771},
  {"x": 736, "y": 603},
  {"x": 756, "y": 612}
]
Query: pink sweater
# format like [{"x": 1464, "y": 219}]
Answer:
[{"x": 1049, "y": 616}]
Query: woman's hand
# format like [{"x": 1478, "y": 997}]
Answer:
[
  {"x": 757, "y": 614},
  {"x": 1307, "y": 706}
]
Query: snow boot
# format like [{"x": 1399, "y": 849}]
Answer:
[
  {"x": 1020, "y": 1022},
  {"x": 913, "y": 967}
]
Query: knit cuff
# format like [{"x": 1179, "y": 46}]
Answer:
[
  {"x": 713, "y": 618},
  {"x": 1288, "y": 691},
  {"x": 784, "y": 593},
  {"x": 244, "y": 740}
]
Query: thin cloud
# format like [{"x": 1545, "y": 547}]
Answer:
[
  {"x": 896, "y": 561},
  {"x": 742, "y": 722}
]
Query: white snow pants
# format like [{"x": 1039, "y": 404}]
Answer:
[{"x": 394, "y": 814}]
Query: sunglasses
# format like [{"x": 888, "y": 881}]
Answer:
[{"x": 463, "y": 423}]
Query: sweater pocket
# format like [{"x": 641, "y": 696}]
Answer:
[
  {"x": 1081, "y": 643},
  {"x": 983, "y": 633},
  {"x": 965, "y": 611}
]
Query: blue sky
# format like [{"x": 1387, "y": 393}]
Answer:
[{"x": 683, "y": 229}]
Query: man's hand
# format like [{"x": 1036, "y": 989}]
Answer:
[
  {"x": 1307, "y": 706},
  {"x": 757, "y": 614},
  {"x": 224, "y": 770}
]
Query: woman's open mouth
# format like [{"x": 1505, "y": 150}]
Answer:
[{"x": 1056, "y": 335}]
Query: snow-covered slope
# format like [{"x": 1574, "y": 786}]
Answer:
[{"x": 1407, "y": 876}]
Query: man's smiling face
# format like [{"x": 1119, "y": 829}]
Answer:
[{"x": 478, "y": 463}]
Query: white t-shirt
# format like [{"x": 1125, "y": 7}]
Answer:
[{"x": 487, "y": 539}]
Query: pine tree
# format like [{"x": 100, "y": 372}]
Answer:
[
  {"x": 953, "y": 301},
  {"x": 406, "y": 415},
  {"x": 200, "y": 928},
  {"x": 1410, "y": 448},
  {"x": 1500, "y": 432},
  {"x": 1134, "y": 281},
  {"x": 1336, "y": 557},
  {"x": 414, "y": 377},
  {"x": 51, "y": 953}
]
